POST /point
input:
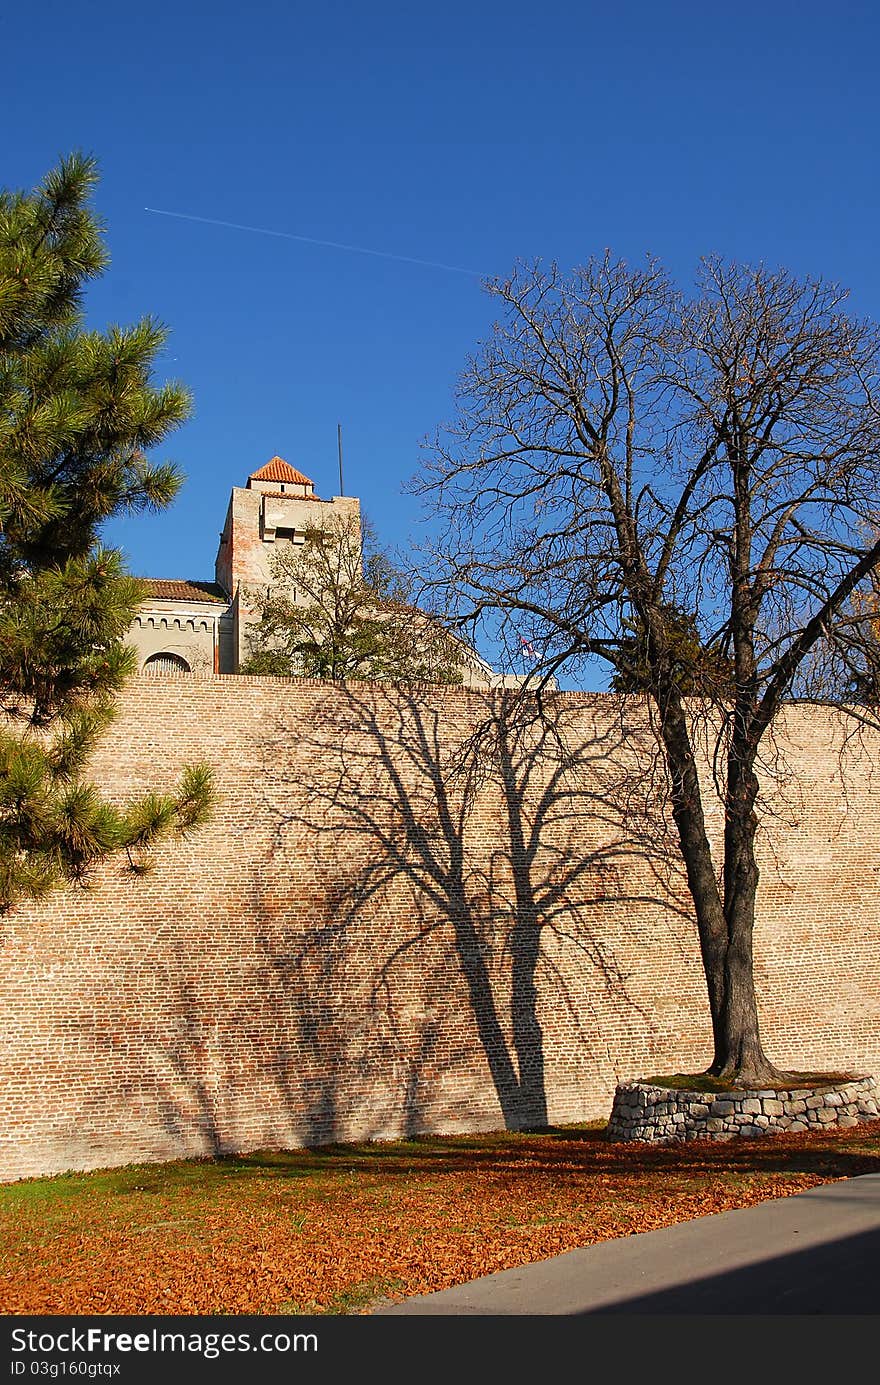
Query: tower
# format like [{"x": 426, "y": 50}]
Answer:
[{"x": 274, "y": 509}]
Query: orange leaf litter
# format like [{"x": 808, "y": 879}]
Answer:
[{"x": 335, "y": 1230}]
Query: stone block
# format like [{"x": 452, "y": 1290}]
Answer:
[{"x": 722, "y": 1108}]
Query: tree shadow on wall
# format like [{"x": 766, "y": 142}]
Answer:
[
  {"x": 205, "y": 1077},
  {"x": 507, "y": 837},
  {"x": 327, "y": 1048},
  {"x": 167, "y": 1071}
]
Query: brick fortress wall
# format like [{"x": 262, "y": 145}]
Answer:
[{"x": 349, "y": 949}]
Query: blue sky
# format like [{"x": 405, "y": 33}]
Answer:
[{"x": 468, "y": 134}]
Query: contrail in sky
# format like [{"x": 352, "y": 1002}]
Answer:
[{"x": 310, "y": 240}]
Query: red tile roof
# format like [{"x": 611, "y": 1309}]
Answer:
[
  {"x": 179, "y": 589},
  {"x": 276, "y": 469},
  {"x": 285, "y": 495}
]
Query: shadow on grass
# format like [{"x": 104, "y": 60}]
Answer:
[
  {"x": 567, "y": 1153},
  {"x": 578, "y": 1150}
]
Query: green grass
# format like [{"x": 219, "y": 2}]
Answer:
[
  {"x": 704, "y": 1082},
  {"x": 363, "y": 1295}
]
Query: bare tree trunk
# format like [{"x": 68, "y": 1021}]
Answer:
[
  {"x": 725, "y": 927},
  {"x": 687, "y": 810},
  {"x": 741, "y": 1056}
]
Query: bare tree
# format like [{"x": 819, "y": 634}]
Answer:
[{"x": 683, "y": 487}]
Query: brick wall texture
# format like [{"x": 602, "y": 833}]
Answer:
[{"x": 410, "y": 913}]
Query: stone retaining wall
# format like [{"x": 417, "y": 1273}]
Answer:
[{"x": 664, "y": 1115}]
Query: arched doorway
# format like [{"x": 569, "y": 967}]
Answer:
[{"x": 166, "y": 663}]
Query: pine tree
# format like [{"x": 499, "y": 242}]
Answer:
[{"x": 77, "y": 415}]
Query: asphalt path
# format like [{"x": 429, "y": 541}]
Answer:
[{"x": 816, "y": 1252}]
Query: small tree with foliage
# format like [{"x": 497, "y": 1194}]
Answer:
[
  {"x": 78, "y": 413},
  {"x": 337, "y": 609}
]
